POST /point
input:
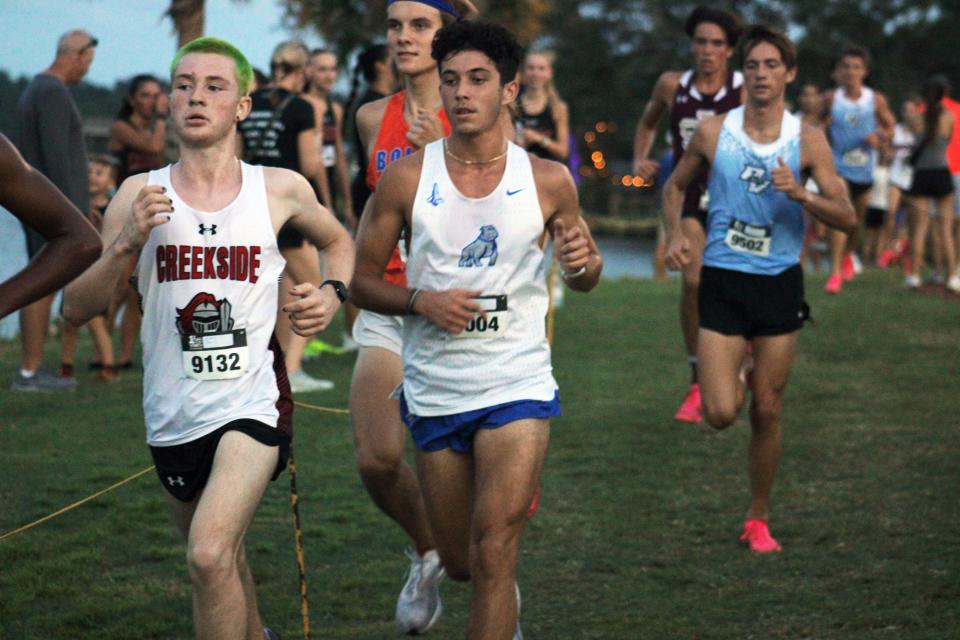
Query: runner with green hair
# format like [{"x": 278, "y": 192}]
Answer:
[{"x": 221, "y": 47}]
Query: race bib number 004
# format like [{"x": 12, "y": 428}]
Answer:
[
  {"x": 215, "y": 356},
  {"x": 748, "y": 238},
  {"x": 493, "y": 324}
]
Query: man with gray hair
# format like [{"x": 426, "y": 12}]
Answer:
[{"x": 50, "y": 137}]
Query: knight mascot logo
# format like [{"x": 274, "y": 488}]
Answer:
[{"x": 204, "y": 314}]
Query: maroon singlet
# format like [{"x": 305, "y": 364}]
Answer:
[{"x": 688, "y": 109}]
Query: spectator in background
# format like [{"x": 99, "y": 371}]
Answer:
[
  {"x": 138, "y": 138},
  {"x": 103, "y": 183},
  {"x": 321, "y": 76},
  {"x": 953, "y": 161},
  {"x": 50, "y": 137},
  {"x": 932, "y": 180},
  {"x": 543, "y": 125},
  {"x": 281, "y": 131}
]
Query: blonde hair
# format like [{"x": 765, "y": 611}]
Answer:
[
  {"x": 288, "y": 57},
  {"x": 552, "y": 95}
]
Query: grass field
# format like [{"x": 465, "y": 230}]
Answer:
[{"x": 636, "y": 536}]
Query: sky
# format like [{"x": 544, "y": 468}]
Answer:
[{"x": 134, "y": 36}]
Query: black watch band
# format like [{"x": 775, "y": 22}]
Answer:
[{"x": 338, "y": 287}]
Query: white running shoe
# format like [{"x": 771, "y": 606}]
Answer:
[
  {"x": 518, "y": 635},
  {"x": 912, "y": 282},
  {"x": 419, "y": 606},
  {"x": 300, "y": 382},
  {"x": 857, "y": 263},
  {"x": 953, "y": 284}
]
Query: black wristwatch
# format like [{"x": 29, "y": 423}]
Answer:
[{"x": 338, "y": 287}]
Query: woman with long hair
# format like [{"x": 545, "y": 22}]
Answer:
[
  {"x": 321, "y": 76},
  {"x": 932, "y": 181},
  {"x": 543, "y": 124},
  {"x": 138, "y": 139}
]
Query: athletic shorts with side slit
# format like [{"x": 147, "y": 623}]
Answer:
[
  {"x": 185, "y": 468},
  {"x": 457, "y": 431},
  {"x": 735, "y": 303}
]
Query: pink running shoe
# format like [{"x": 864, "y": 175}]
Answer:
[
  {"x": 846, "y": 268},
  {"x": 689, "y": 411},
  {"x": 757, "y": 535},
  {"x": 886, "y": 259},
  {"x": 834, "y": 284}
]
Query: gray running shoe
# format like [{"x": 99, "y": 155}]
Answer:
[
  {"x": 419, "y": 606},
  {"x": 270, "y": 634},
  {"x": 300, "y": 382},
  {"x": 42, "y": 381}
]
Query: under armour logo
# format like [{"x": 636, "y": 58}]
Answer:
[
  {"x": 175, "y": 482},
  {"x": 212, "y": 229},
  {"x": 435, "y": 198},
  {"x": 755, "y": 177}
]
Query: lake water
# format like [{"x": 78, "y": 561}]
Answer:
[{"x": 622, "y": 258}]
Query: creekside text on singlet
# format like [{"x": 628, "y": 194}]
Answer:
[{"x": 184, "y": 262}]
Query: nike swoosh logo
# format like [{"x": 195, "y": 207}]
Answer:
[{"x": 513, "y": 193}]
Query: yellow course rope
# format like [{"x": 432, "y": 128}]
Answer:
[{"x": 75, "y": 504}]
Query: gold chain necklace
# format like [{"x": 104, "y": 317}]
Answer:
[{"x": 446, "y": 150}]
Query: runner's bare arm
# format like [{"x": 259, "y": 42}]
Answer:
[
  {"x": 380, "y": 228},
  {"x": 659, "y": 103},
  {"x": 124, "y": 135},
  {"x": 577, "y": 253},
  {"x": 72, "y": 242},
  {"x": 292, "y": 199},
  {"x": 885, "y": 119},
  {"x": 832, "y": 206},
  {"x": 368, "y": 120},
  {"x": 130, "y": 217},
  {"x": 698, "y": 153}
]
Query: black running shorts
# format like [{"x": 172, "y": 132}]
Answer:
[
  {"x": 932, "y": 183},
  {"x": 185, "y": 468},
  {"x": 745, "y": 304},
  {"x": 875, "y": 217},
  {"x": 857, "y": 189}
]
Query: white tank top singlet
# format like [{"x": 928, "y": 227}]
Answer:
[
  {"x": 209, "y": 283},
  {"x": 489, "y": 244}
]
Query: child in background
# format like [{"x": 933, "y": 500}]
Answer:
[{"x": 102, "y": 176}]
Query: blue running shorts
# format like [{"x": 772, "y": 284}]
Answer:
[{"x": 456, "y": 431}]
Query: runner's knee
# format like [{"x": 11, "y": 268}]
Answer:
[
  {"x": 719, "y": 415},
  {"x": 378, "y": 463},
  {"x": 490, "y": 549},
  {"x": 765, "y": 411},
  {"x": 210, "y": 562}
]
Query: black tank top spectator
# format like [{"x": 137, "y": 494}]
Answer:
[
  {"x": 138, "y": 136},
  {"x": 281, "y": 128},
  {"x": 543, "y": 119},
  {"x": 321, "y": 77}
]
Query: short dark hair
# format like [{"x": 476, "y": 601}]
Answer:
[
  {"x": 489, "y": 38},
  {"x": 757, "y": 33},
  {"x": 729, "y": 22},
  {"x": 853, "y": 51}
]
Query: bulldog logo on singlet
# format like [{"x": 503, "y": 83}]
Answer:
[
  {"x": 755, "y": 177},
  {"x": 851, "y": 118},
  {"x": 484, "y": 246},
  {"x": 204, "y": 314}
]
